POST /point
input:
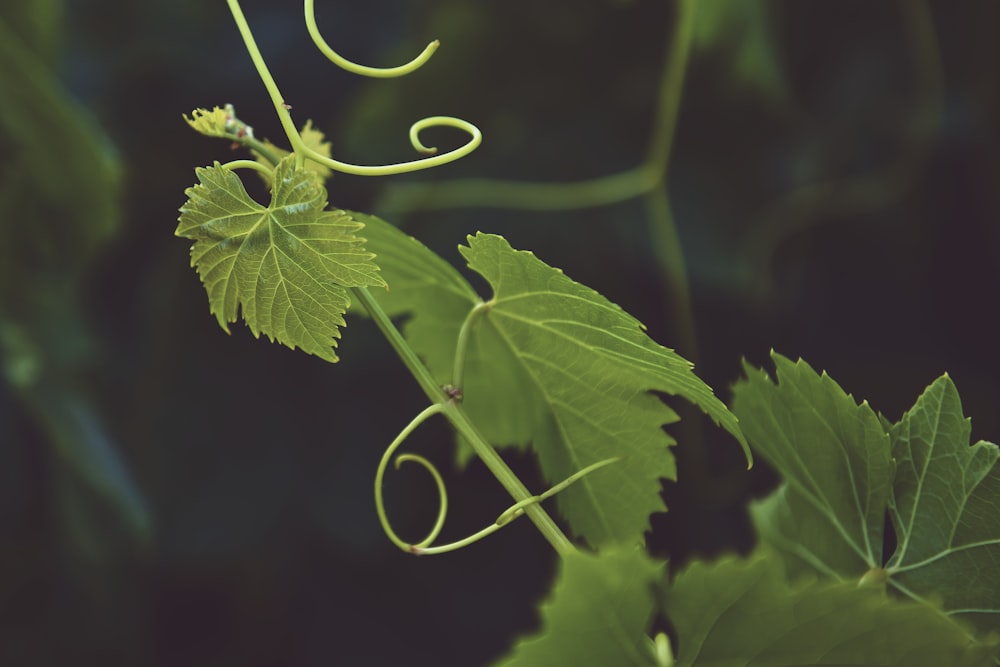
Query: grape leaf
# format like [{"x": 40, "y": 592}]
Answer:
[
  {"x": 592, "y": 366},
  {"x": 552, "y": 363},
  {"x": 286, "y": 265},
  {"x": 423, "y": 284},
  {"x": 598, "y": 614},
  {"x": 833, "y": 454},
  {"x": 737, "y": 613},
  {"x": 946, "y": 509},
  {"x": 942, "y": 495}
]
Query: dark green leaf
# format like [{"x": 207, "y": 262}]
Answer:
[
  {"x": 834, "y": 455},
  {"x": 598, "y": 614},
  {"x": 737, "y": 613},
  {"x": 946, "y": 509},
  {"x": 592, "y": 367},
  {"x": 552, "y": 363}
]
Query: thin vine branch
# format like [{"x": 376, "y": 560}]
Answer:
[
  {"x": 590, "y": 193},
  {"x": 462, "y": 344},
  {"x": 303, "y": 152},
  {"x": 345, "y": 64}
]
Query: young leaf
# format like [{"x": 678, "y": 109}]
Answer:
[
  {"x": 946, "y": 509},
  {"x": 833, "y": 454},
  {"x": 313, "y": 138},
  {"x": 286, "y": 265},
  {"x": 591, "y": 368},
  {"x": 598, "y": 614},
  {"x": 735, "y": 613}
]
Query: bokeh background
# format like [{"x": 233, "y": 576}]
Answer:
[{"x": 170, "y": 495}]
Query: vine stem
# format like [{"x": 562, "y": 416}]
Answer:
[
  {"x": 458, "y": 368},
  {"x": 449, "y": 408},
  {"x": 460, "y": 421},
  {"x": 303, "y": 152}
]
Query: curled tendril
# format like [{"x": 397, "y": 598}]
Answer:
[
  {"x": 249, "y": 164},
  {"x": 475, "y": 138},
  {"x": 423, "y": 547},
  {"x": 304, "y": 152},
  {"x": 344, "y": 63}
]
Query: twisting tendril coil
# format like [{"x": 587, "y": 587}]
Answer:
[
  {"x": 304, "y": 152},
  {"x": 423, "y": 547}
]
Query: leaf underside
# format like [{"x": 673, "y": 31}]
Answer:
[
  {"x": 946, "y": 509},
  {"x": 286, "y": 265},
  {"x": 554, "y": 364},
  {"x": 834, "y": 455},
  {"x": 845, "y": 470}
]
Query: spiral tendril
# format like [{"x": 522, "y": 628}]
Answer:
[
  {"x": 423, "y": 547},
  {"x": 345, "y": 64},
  {"x": 303, "y": 152},
  {"x": 435, "y": 160}
]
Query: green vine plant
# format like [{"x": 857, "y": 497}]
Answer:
[
  {"x": 547, "y": 363},
  {"x": 293, "y": 268}
]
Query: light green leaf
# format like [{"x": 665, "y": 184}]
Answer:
[
  {"x": 499, "y": 397},
  {"x": 946, "y": 509},
  {"x": 737, "y": 613},
  {"x": 214, "y": 123},
  {"x": 598, "y": 613},
  {"x": 833, "y": 454},
  {"x": 592, "y": 367},
  {"x": 286, "y": 265},
  {"x": 553, "y": 364}
]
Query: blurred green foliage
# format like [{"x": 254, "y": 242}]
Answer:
[
  {"x": 60, "y": 204},
  {"x": 834, "y": 184}
]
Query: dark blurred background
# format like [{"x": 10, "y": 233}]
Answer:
[{"x": 170, "y": 495}]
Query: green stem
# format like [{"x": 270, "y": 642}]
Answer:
[
  {"x": 249, "y": 164},
  {"x": 519, "y": 195},
  {"x": 302, "y": 151},
  {"x": 591, "y": 193},
  {"x": 461, "y": 423},
  {"x": 265, "y": 76},
  {"x": 508, "y": 515},
  {"x": 666, "y": 242},
  {"x": 458, "y": 368},
  {"x": 666, "y": 247},
  {"x": 260, "y": 147},
  {"x": 671, "y": 89}
]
